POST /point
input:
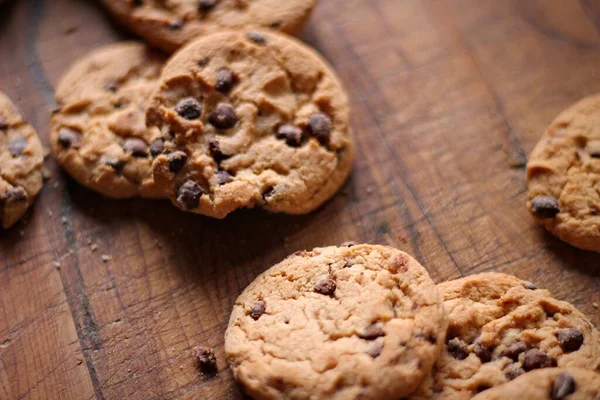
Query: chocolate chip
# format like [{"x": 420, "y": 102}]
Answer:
[
  {"x": 319, "y": 126},
  {"x": 257, "y": 310},
  {"x": 458, "y": 349},
  {"x": 375, "y": 350},
  {"x": 157, "y": 146},
  {"x": 372, "y": 332},
  {"x": 114, "y": 163},
  {"x": 68, "y": 137},
  {"x": 137, "y": 147},
  {"x": 484, "y": 354},
  {"x": 206, "y": 358},
  {"x": 535, "y": 359},
  {"x": 215, "y": 151},
  {"x": 3, "y": 123},
  {"x": 325, "y": 286},
  {"x": 16, "y": 195},
  {"x": 267, "y": 194},
  {"x": 570, "y": 340},
  {"x": 514, "y": 350},
  {"x": 203, "y": 62},
  {"x": 111, "y": 86},
  {"x": 545, "y": 206},
  {"x": 512, "y": 371},
  {"x": 563, "y": 385},
  {"x": 206, "y": 5},
  {"x": 188, "y": 195},
  {"x": 530, "y": 286},
  {"x": 189, "y": 108},
  {"x": 224, "y": 80},
  {"x": 223, "y": 177},
  {"x": 176, "y": 160},
  {"x": 349, "y": 244},
  {"x": 291, "y": 134},
  {"x": 256, "y": 37},
  {"x": 17, "y": 146},
  {"x": 276, "y": 24},
  {"x": 175, "y": 25},
  {"x": 223, "y": 117}
]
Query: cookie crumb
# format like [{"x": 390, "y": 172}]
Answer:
[
  {"x": 106, "y": 258},
  {"x": 93, "y": 247},
  {"x": 206, "y": 358}
]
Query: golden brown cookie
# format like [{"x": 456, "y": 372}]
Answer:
[
  {"x": 550, "y": 384},
  {"x": 98, "y": 133},
  {"x": 563, "y": 175},
  {"x": 359, "y": 322},
  {"x": 501, "y": 327},
  {"x": 21, "y": 159},
  {"x": 169, "y": 24},
  {"x": 250, "y": 119}
]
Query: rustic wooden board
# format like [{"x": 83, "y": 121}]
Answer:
[{"x": 448, "y": 97}]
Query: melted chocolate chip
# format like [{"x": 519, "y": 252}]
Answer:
[
  {"x": 206, "y": 5},
  {"x": 223, "y": 177},
  {"x": 375, "y": 350},
  {"x": 325, "y": 286},
  {"x": 225, "y": 80},
  {"x": 188, "y": 195},
  {"x": 68, "y": 137},
  {"x": 545, "y": 206},
  {"x": 257, "y": 310},
  {"x": 372, "y": 332},
  {"x": 484, "y": 354},
  {"x": 458, "y": 349},
  {"x": 319, "y": 126},
  {"x": 17, "y": 146},
  {"x": 570, "y": 339},
  {"x": 157, "y": 146},
  {"x": 291, "y": 134},
  {"x": 530, "y": 286},
  {"x": 563, "y": 385},
  {"x": 137, "y": 147},
  {"x": 176, "y": 160},
  {"x": 514, "y": 350},
  {"x": 512, "y": 371},
  {"x": 257, "y": 38},
  {"x": 206, "y": 358},
  {"x": 223, "y": 117},
  {"x": 189, "y": 108},
  {"x": 535, "y": 359}
]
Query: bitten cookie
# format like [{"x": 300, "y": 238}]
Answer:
[
  {"x": 501, "y": 327},
  {"x": 563, "y": 175},
  {"x": 98, "y": 134},
  {"x": 337, "y": 323},
  {"x": 21, "y": 159},
  {"x": 170, "y": 24},
  {"x": 250, "y": 119},
  {"x": 549, "y": 383}
]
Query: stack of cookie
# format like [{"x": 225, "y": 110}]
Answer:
[{"x": 367, "y": 322}]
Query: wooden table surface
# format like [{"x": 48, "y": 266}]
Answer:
[{"x": 448, "y": 97}]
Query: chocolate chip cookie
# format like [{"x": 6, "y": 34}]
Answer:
[
  {"x": 250, "y": 119},
  {"x": 549, "y": 383},
  {"x": 563, "y": 174},
  {"x": 98, "y": 134},
  {"x": 21, "y": 159},
  {"x": 168, "y": 24},
  {"x": 337, "y": 323},
  {"x": 501, "y": 327}
]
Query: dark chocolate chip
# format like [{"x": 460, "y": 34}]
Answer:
[
  {"x": 137, "y": 147},
  {"x": 458, "y": 349},
  {"x": 206, "y": 5},
  {"x": 16, "y": 195},
  {"x": 206, "y": 358},
  {"x": 17, "y": 146},
  {"x": 215, "y": 151},
  {"x": 188, "y": 195},
  {"x": 484, "y": 354},
  {"x": 257, "y": 38},
  {"x": 157, "y": 146},
  {"x": 535, "y": 359},
  {"x": 223, "y": 117},
  {"x": 3, "y": 123},
  {"x": 68, "y": 137},
  {"x": 514, "y": 350},
  {"x": 176, "y": 160},
  {"x": 563, "y": 385},
  {"x": 530, "y": 286},
  {"x": 319, "y": 126},
  {"x": 189, "y": 108},
  {"x": 257, "y": 310},
  {"x": 225, "y": 80},
  {"x": 512, "y": 371},
  {"x": 325, "y": 286},
  {"x": 545, "y": 206},
  {"x": 114, "y": 163},
  {"x": 291, "y": 134},
  {"x": 223, "y": 177},
  {"x": 175, "y": 25},
  {"x": 275, "y": 24},
  {"x": 375, "y": 350},
  {"x": 372, "y": 332},
  {"x": 203, "y": 62},
  {"x": 267, "y": 194},
  {"x": 349, "y": 244},
  {"x": 112, "y": 86},
  {"x": 570, "y": 339}
]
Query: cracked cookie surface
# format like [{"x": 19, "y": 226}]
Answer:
[
  {"x": 338, "y": 323},
  {"x": 250, "y": 119},
  {"x": 99, "y": 135},
  {"x": 169, "y": 24},
  {"x": 563, "y": 176},
  {"x": 549, "y": 383},
  {"x": 21, "y": 159},
  {"x": 501, "y": 327}
]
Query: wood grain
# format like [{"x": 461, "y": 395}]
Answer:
[{"x": 448, "y": 97}]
